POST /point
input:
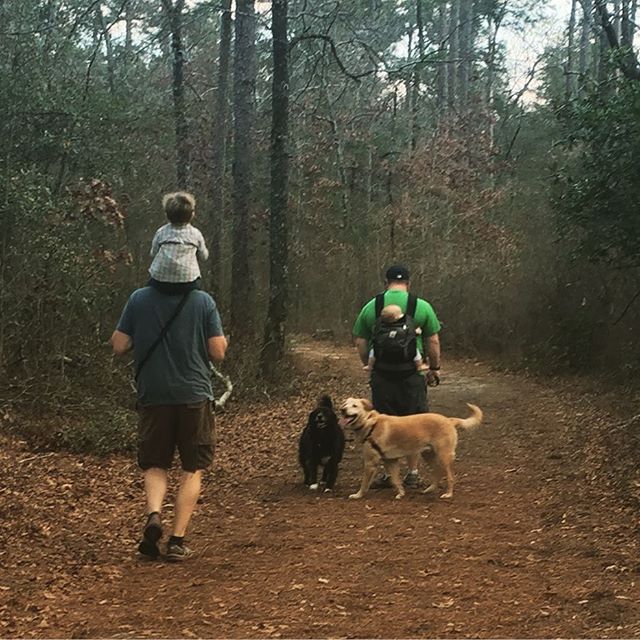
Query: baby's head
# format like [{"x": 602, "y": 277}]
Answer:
[
  {"x": 180, "y": 207},
  {"x": 391, "y": 313}
]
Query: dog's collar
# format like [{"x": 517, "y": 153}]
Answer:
[
  {"x": 375, "y": 445},
  {"x": 368, "y": 434}
]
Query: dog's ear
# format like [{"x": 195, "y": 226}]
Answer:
[
  {"x": 366, "y": 404},
  {"x": 325, "y": 401},
  {"x": 311, "y": 422}
]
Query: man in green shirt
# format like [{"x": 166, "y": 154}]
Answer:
[{"x": 402, "y": 391}]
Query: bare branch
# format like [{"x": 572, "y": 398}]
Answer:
[{"x": 329, "y": 40}]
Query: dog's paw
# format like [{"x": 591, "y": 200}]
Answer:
[
  {"x": 399, "y": 496},
  {"x": 327, "y": 490},
  {"x": 313, "y": 487},
  {"x": 355, "y": 496},
  {"x": 431, "y": 488},
  {"x": 447, "y": 496}
]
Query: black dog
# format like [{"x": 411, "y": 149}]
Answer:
[{"x": 321, "y": 443}]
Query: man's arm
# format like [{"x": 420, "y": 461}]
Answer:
[
  {"x": 121, "y": 343},
  {"x": 433, "y": 351},
  {"x": 363, "y": 350},
  {"x": 217, "y": 348}
]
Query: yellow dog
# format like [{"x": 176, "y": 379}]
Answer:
[{"x": 390, "y": 438}]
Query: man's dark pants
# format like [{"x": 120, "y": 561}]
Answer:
[{"x": 398, "y": 396}]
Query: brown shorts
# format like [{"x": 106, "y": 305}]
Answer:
[{"x": 189, "y": 427}]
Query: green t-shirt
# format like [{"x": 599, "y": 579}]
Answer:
[{"x": 425, "y": 316}]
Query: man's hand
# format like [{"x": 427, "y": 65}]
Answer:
[
  {"x": 433, "y": 378},
  {"x": 121, "y": 343}
]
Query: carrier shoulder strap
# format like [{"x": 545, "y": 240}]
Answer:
[
  {"x": 163, "y": 333},
  {"x": 412, "y": 303},
  {"x": 379, "y": 304}
]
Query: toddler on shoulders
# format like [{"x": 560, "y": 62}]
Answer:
[{"x": 176, "y": 247}]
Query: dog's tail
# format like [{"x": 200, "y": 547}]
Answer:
[
  {"x": 325, "y": 401},
  {"x": 473, "y": 421}
]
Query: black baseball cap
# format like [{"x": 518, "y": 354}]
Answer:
[{"x": 397, "y": 273}]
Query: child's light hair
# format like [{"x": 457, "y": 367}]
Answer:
[
  {"x": 391, "y": 313},
  {"x": 179, "y": 207}
]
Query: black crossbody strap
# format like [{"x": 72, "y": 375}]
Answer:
[
  {"x": 379, "y": 304},
  {"x": 412, "y": 303},
  {"x": 163, "y": 333}
]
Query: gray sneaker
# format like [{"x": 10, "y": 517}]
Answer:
[
  {"x": 412, "y": 481},
  {"x": 177, "y": 552}
]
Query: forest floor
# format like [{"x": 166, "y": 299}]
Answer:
[{"x": 529, "y": 547}]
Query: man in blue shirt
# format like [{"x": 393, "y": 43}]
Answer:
[{"x": 174, "y": 400}]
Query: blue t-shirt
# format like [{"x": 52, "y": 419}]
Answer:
[{"x": 178, "y": 370}]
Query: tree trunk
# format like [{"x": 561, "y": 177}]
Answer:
[
  {"x": 465, "y": 50},
  {"x": 626, "y": 60},
  {"x": 106, "y": 35},
  {"x": 585, "y": 43},
  {"x": 274, "y": 333},
  {"x": 454, "y": 37},
  {"x": 128, "y": 34},
  {"x": 244, "y": 82},
  {"x": 495, "y": 22},
  {"x": 617, "y": 18},
  {"x": 569, "y": 79},
  {"x": 417, "y": 76},
  {"x": 173, "y": 13},
  {"x": 219, "y": 141},
  {"x": 441, "y": 70},
  {"x": 628, "y": 23}
]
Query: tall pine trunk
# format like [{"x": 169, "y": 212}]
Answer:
[
  {"x": 417, "y": 76},
  {"x": 244, "y": 82},
  {"x": 173, "y": 14},
  {"x": 569, "y": 78},
  {"x": 441, "y": 71},
  {"x": 465, "y": 51},
  {"x": 584, "y": 57},
  {"x": 219, "y": 141},
  {"x": 454, "y": 52},
  {"x": 274, "y": 333}
]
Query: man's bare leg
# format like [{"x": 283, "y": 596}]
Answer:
[
  {"x": 186, "y": 500},
  {"x": 155, "y": 487}
]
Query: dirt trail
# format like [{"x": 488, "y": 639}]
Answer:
[{"x": 523, "y": 550}]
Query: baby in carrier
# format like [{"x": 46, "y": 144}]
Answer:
[{"x": 389, "y": 315}]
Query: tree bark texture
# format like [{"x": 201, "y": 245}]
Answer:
[
  {"x": 106, "y": 35},
  {"x": 274, "y": 334},
  {"x": 173, "y": 13},
  {"x": 465, "y": 50},
  {"x": 454, "y": 52},
  {"x": 569, "y": 78},
  {"x": 584, "y": 56},
  {"x": 244, "y": 82},
  {"x": 628, "y": 62},
  {"x": 219, "y": 142},
  {"x": 417, "y": 76},
  {"x": 441, "y": 73}
]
